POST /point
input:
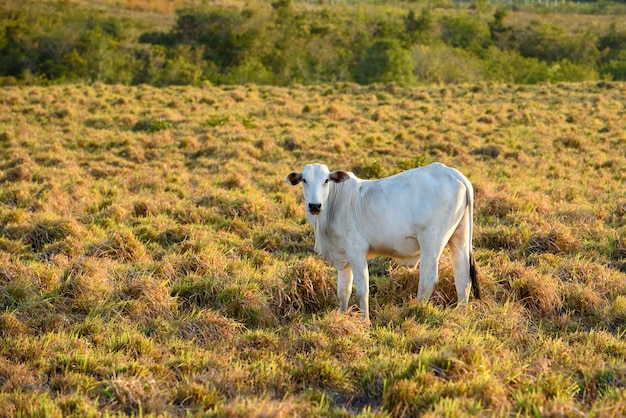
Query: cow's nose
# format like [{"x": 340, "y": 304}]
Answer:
[{"x": 315, "y": 208}]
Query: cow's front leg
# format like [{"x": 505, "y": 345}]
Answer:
[
  {"x": 344, "y": 286},
  {"x": 362, "y": 284}
]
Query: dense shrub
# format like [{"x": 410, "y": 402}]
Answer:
[
  {"x": 549, "y": 42},
  {"x": 613, "y": 48}
]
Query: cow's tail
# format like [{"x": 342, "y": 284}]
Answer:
[
  {"x": 470, "y": 211},
  {"x": 474, "y": 276}
]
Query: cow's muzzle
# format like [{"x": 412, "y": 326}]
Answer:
[{"x": 315, "y": 208}]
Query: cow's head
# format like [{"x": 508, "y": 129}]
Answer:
[{"x": 316, "y": 180}]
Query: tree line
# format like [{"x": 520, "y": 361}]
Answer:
[{"x": 282, "y": 44}]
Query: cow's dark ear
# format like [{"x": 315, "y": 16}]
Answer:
[
  {"x": 293, "y": 178},
  {"x": 339, "y": 176}
]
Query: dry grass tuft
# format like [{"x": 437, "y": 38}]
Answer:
[
  {"x": 539, "y": 293},
  {"x": 19, "y": 282},
  {"x": 305, "y": 287},
  {"x": 253, "y": 343},
  {"x": 283, "y": 238},
  {"x": 88, "y": 282},
  {"x": 206, "y": 327},
  {"x": 143, "y": 208},
  {"x": 133, "y": 392},
  {"x": 16, "y": 377},
  {"x": 405, "y": 398},
  {"x": 11, "y": 326},
  {"x": 617, "y": 217},
  {"x": 12, "y": 270},
  {"x": 263, "y": 407},
  {"x": 445, "y": 289},
  {"x": 122, "y": 246},
  {"x": 487, "y": 151},
  {"x": 200, "y": 293},
  {"x": 247, "y": 305},
  {"x": 400, "y": 283},
  {"x": 397, "y": 285},
  {"x": 196, "y": 396},
  {"x": 201, "y": 262},
  {"x": 336, "y": 324},
  {"x": 556, "y": 241},
  {"x": 19, "y": 173},
  {"x": 499, "y": 204},
  {"x": 500, "y": 237},
  {"x": 618, "y": 247},
  {"x": 144, "y": 298},
  {"x": 42, "y": 231}
]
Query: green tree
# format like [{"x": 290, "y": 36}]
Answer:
[
  {"x": 464, "y": 31},
  {"x": 501, "y": 35},
  {"x": 386, "y": 61},
  {"x": 105, "y": 61},
  {"x": 419, "y": 29},
  {"x": 15, "y": 46},
  {"x": 215, "y": 30}
]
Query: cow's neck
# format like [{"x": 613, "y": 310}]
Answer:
[
  {"x": 331, "y": 225},
  {"x": 326, "y": 219}
]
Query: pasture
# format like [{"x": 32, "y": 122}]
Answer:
[{"x": 154, "y": 263}]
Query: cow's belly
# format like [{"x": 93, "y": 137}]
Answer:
[{"x": 404, "y": 250}]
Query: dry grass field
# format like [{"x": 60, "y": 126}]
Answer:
[{"x": 153, "y": 262}]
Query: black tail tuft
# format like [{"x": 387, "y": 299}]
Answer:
[{"x": 474, "y": 277}]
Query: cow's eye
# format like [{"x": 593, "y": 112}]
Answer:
[
  {"x": 326, "y": 182},
  {"x": 303, "y": 180}
]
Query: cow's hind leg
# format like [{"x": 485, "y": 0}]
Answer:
[
  {"x": 460, "y": 252},
  {"x": 344, "y": 287},
  {"x": 431, "y": 248}
]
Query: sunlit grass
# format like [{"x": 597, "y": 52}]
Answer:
[{"x": 153, "y": 262}]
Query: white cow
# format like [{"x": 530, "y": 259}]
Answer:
[{"x": 410, "y": 217}]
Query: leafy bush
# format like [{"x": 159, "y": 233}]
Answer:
[
  {"x": 616, "y": 69},
  {"x": 152, "y": 125},
  {"x": 249, "y": 71},
  {"x": 566, "y": 70},
  {"x": 440, "y": 63},
  {"x": 386, "y": 61},
  {"x": 373, "y": 170},
  {"x": 510, "y": 66}
]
